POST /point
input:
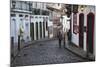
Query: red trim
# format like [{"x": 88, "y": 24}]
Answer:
[
  {"x": 79, "y": 29},
  {"x": 92, "y": 29}
]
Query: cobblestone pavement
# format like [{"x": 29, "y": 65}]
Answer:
[{"x": 45, "y": 53}]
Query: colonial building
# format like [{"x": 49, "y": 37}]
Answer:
[
  {"x": 83, "y": 27},
  {"x": 20, "y": 19},
  {"x": 39, "y": 21}
]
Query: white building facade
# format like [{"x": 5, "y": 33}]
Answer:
[
  {"x": 83, "y": 28},
  {"x": 20, "y": 19},
  {"x": 39, "y": 21},
  {"x": 66, "y": 23}
]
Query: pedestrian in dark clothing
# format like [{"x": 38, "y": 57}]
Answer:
[
  {"x": 69, "y": 36},
  {"x": 64, "y": 41},
  {"x": 59, "y": 38}
]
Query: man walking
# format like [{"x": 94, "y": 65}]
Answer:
[
  {"x": 59, "y": 38},
  {"x": 69, "y": 36},
  {"x": 64, "y": 40}
]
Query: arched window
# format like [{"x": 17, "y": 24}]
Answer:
[
  {"x": 75, "y": 27},
  {"x": 13, "y": 29}
]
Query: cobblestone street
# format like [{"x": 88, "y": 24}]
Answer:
[{"x": 47, "y": 52}]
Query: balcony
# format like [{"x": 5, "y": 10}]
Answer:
[
  {"x": 39, "y": 12},
  {"x": 19, "y": 6},
  {"x": 21, "y": 10}
]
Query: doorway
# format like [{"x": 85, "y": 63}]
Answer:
[
  {"x": 44, "y": 29},
  {"x": 90, "y": 32},
  {"x": 13, "y": 30},
  {"x": 40, "y": 30},
  {"x": 36, "y": 30},
  {"x": 32, "y": 30},
  {"x": 81, "y": 30}
]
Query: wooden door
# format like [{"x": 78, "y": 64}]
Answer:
[
  {"x": 90, "y": 32},
  {"x": 81, "y": 30}
]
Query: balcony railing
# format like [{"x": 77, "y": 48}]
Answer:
[
  {"x": 21, "y": 9},
  {"x": 39, "y": 12},
  {"x": 22, "y": 6}
]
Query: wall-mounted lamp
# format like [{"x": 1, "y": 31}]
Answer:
[{"x": 82, "y": 8}]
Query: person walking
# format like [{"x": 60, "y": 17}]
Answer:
[
  {"x": 59, "y": 38},
  {"x": 64, "y": 40},
  {"x": 69, "y": 36}
]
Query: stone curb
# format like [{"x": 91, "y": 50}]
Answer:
[{"x": 90, "y": 59}]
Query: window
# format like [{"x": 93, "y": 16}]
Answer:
[
  {"x": 75, "y": 9},
  {"x": 25, "y": 6},
  {"x": 32, "y": 16},
  {"x": 42, "y": 5},
  {"x": 21, "y": 19},
  {"x": 21, "y": 5},
  {"x": 13, "y": 20},
  {"x": 13, "y": 4},
  {"x": 26, "y": 24},
  {"x": 36, "y": 11},
  {"x": 75, "y": 27},
  {"x": 36, "y": 17},
  {"x": 36, "y": 5},
  {"x": 13, "y": 27},
  {"x": 13, "y": 15},
  {"x": 44, "y": 12},
  {"x": 26, "y": 15},
  {"x": 39, "y": 17},
  {"x": 20, "y": 15},
  {"x": 58, "y": 4},
  {"x": 46, "y": 18},
  {"x": 30, "y": 6}
]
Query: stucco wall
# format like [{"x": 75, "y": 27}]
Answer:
[
  {"x": 24, "y": 22},
  {"x": 38, "y": 20},
  {"x": 75, "y": 37}
]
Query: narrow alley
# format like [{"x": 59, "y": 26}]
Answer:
[{"x": 47, "y": 52}]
